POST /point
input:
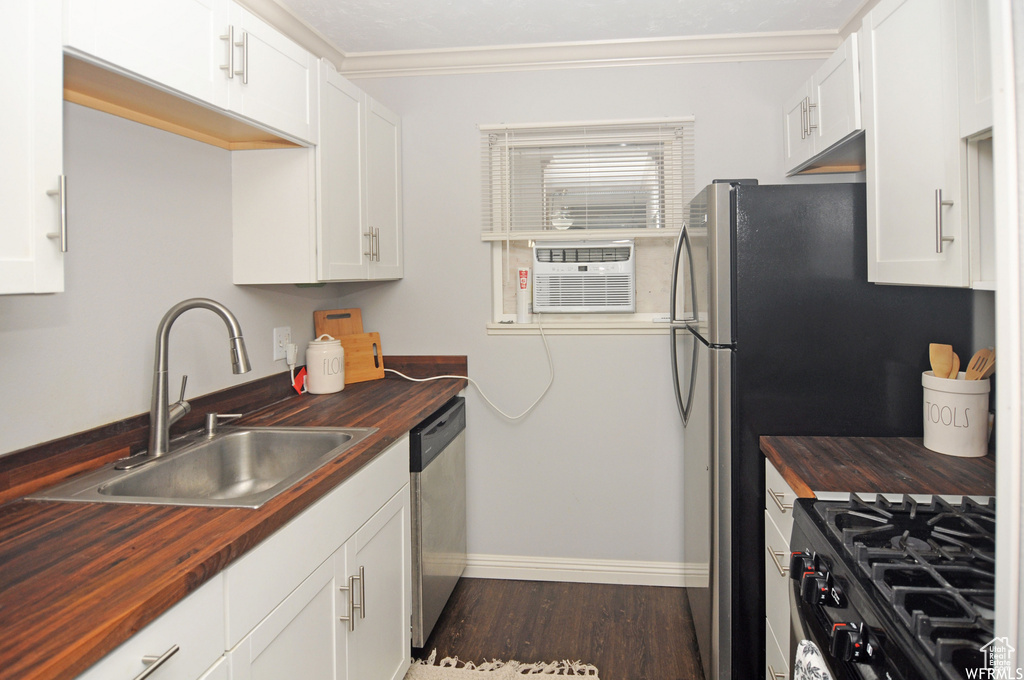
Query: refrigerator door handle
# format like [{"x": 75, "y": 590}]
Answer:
[
  {"x": 685, "y": 405},
  {"x": 684, "y": 240}
]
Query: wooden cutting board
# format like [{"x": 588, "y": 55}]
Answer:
[
  {"x": 364, "y": 359},
  {"x": 338, "y": 322}
]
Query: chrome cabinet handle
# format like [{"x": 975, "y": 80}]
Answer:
[
  {"x": 154, "y": 662},
  {"x": 777, "y": 497},
  {"x": 376, "y": 243},
  {"x": 775, "y": 674},
  {"x": 230, "y": 66},
  {"x": 810, "y": 126},
  {"x": 776, "y": 557},
  {"x": 62, "y": 195},
  {"x": 369, "y": 244},
  {"x": 362, "y": 594},
  {"x": 350, "y": 589},
  {"x": 939, "y": 204},
  {"x": 244, "y": 44},
  {"x": 803, "y": 118}
]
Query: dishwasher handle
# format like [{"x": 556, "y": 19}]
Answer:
[{"x": 429, "y": 438}]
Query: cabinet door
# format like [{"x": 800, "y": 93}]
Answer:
[
  {"x": 835, "y": 97},
  {"x": 380, "y": 559},
  {"x": 915, "y": 229},
  {"x": 297, "y": 639},
  {"x": 344, "y": 245},
  {"x": 975, "y": 66},
  {"x": 174, "y": 43},
  {"x": 796, "y": 140},
  {"x": 384, "y": 190},
  {"x": 31, "y": 149},
  {"x": 277, "y": 85}
]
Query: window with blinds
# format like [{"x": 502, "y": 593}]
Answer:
[{"x": 597, "y": 176}]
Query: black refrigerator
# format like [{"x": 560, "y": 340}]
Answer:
[{"x": 776, "y": 331}]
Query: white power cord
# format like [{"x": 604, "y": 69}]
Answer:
[
  {"x": 551, "y": 370},
  {"x": 291, "y": 350}
]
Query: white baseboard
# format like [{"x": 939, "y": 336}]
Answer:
[{"x": 620, "y": 572}]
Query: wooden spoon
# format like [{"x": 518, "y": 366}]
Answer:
[
  {"x": 941, "y": 358},
  {"x": 982, "y": 364},
  {"x": 954, "y": 371}
]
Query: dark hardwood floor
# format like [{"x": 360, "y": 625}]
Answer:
[{"x": 627, "y": 632}]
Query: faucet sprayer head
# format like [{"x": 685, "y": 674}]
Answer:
[{"x": 239, "y": 357}]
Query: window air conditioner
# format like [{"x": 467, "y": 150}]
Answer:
[{"x": 572, "y": 277}]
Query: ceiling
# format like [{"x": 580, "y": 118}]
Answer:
[{"x": 369, "y": 26}]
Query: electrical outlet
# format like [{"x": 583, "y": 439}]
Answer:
[{"x": 282, "y": 338}]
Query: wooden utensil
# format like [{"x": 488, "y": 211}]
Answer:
[
  {"x": 338, "y": 322},
  {"x": 982, "y": 364},
  {"x": 941, "y": 358},
  {"x": 364, "y": 359},
  {"x": 954, "y": 371}
]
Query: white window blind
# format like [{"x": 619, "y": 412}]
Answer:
[{"x": 630, "y": 175}]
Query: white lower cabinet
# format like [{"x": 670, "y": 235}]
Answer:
[
  {"x": 778, "y": 525},
  {"x": 374, "y": 573},
  {"x": 296, "y": 640},
  {"x": 195, "y": 626}
]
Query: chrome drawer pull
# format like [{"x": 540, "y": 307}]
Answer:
[
  {"x": 230, "y": 38},
  {"x": 777, "y": 497},
  {"x": 154, "y": 662},
  {"x": 61, "y": 192},
  {"x": 776, "y": 556},
  {"x": 350, "y": 589},
  {"x": 362, "y": 594},
  {"x": 775, "y": 674},
  {"x": 939, "y": 205}
]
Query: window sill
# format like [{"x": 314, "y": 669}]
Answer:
[
  {"x": 581, "y": 328},
  {"x": 579, "y": 234}
]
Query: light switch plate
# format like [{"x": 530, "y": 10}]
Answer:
[{"x": 282, "y": 338}]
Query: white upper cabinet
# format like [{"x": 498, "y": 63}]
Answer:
[
  {"x": 975, "y": 66},
  {"x": 823, "y": 113},
  {"x": 332, "y": 215},
  {"x": 344, "y": 245},
  {"x": 273, "y": 79},
  {"x": 174, "y": 43},
  {"x": 213, "y": 51},
  {"x": 916, "y": 230},
  {"x": 32, "y": 199},
  {"x": 383, "y": 191}
]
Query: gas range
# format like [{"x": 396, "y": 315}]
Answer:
[{"x": 895, "y": 589}]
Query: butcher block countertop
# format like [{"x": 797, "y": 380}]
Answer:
[
  {"x": 78, "y": 579},
  {"x": 813, "y": 466}
]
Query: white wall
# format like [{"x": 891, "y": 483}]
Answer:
[
  {"x": 594, "y": 472},
  {"x": 149, "y": 225}
]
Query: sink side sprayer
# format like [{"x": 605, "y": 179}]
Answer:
[{"x": 162, "y": 414}]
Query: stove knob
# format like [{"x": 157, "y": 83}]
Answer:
[
  {"x": 799, "y": 564},
  {"x": 851, "y": 642},
  {"x": 815, "y": 588}
]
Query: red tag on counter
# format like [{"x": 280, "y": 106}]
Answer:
[{"x": 300, "y": 380}]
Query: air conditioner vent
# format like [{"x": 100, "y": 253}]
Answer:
[
  {"x": 613, "y": 254},
  {"x": 584, "y": 277}
]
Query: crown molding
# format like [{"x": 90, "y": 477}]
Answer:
[
  {"x": 646, "y": 52},
  {"x": 547, "y": 56}
]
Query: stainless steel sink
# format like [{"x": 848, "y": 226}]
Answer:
[{"x": 237, "y": 467}]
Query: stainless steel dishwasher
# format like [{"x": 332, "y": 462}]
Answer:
[{"x": 438, "y": 481}]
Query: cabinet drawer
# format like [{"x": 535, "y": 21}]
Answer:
[
  {"x": 265, "y": 576},
  {"x": 778, "y": 499},
  {"x": 195, "y": 625},
  {"x": 776, "y": 578},
  {"x": 776, "y": 665}
]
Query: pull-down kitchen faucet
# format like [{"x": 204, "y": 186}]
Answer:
[{"x": 162, "y": 415}]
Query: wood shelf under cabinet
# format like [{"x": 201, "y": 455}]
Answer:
[{"x": 115, "y": 93}]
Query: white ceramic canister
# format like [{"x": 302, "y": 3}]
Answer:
[
  {"x": 955, "y": 415},
  {"x": 325, "y": 366}
]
